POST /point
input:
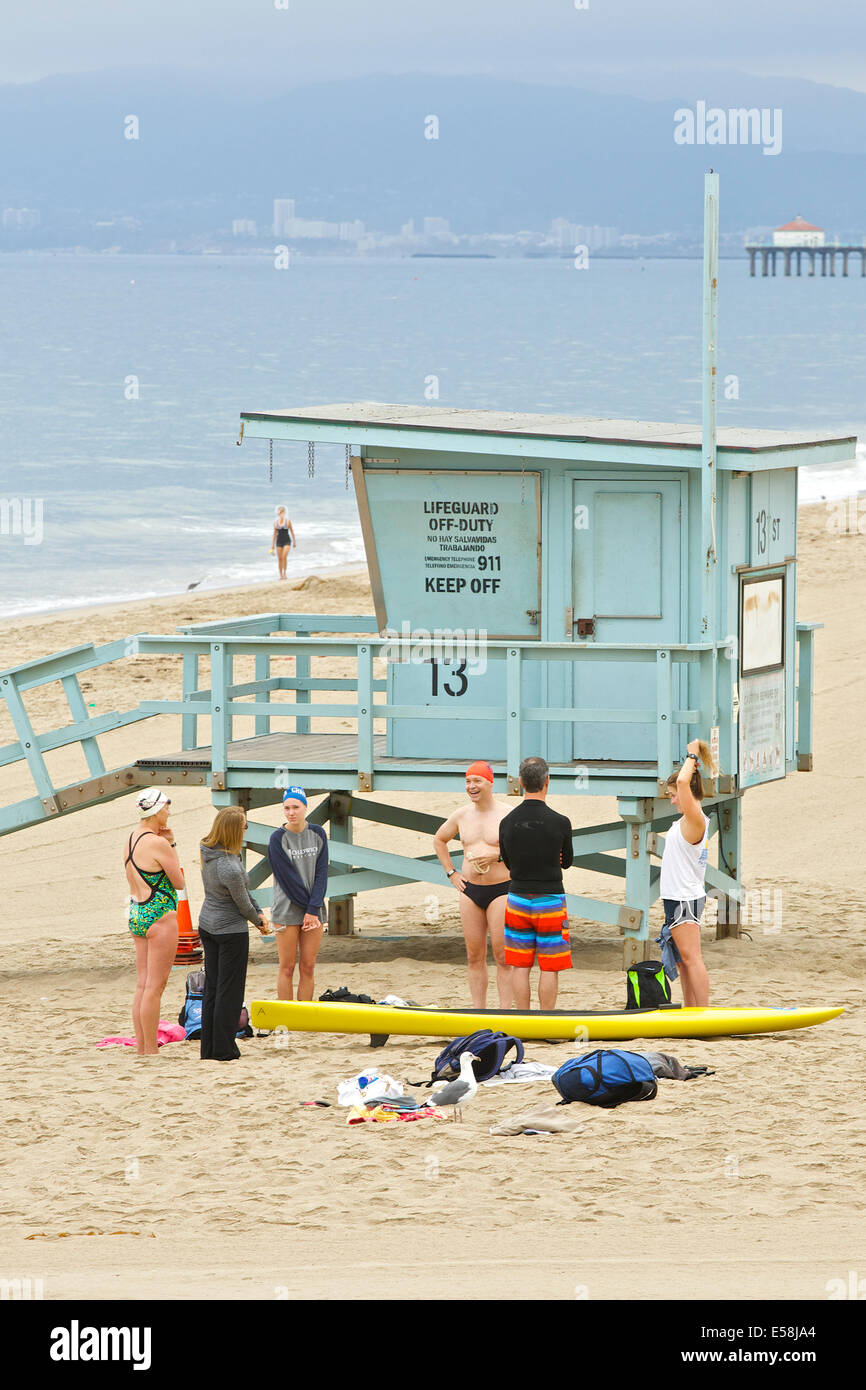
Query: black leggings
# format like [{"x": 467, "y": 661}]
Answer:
[{"x": 225, "y": 978}]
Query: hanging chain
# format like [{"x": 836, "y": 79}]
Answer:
[
  {"x": 522, "y": 481},
  {"x": 311, "y": 460},
  {"x": 270, "y": 460},
  {"x": 348, "y": 464}
]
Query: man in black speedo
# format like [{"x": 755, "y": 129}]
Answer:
[{"x": 535, "y": 844}]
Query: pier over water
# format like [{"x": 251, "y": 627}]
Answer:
[{"x": 827, "y": 254}]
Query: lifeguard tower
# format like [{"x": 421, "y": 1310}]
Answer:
[
  {"x": 538, "y": 583},
  {"x": 594, "y": 591}
]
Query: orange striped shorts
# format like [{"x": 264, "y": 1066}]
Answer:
[{"x": 537, "y": 926}]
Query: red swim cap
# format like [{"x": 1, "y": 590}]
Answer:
[{"x": 480, "y": 770}]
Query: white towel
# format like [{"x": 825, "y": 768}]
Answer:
[{"x": 522, "y": 1071}]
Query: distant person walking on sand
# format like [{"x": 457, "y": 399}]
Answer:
[
  {"x": 283, "y": 539},
  {"x": 298, "y": 854},
  {"x": 536, "y": 846},
  {"x": 482, "y": 882},
  {"x": 684, "y": 866},
  {"x": 154, "y": 876},
  {"x": 223, "y": 925}
]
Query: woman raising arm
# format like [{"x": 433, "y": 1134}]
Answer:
[{"x": 684, "y": 866}]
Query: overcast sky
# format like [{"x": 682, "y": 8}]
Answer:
[{"x": 636, "y": 45}]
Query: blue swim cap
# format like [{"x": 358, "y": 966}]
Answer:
[{"x": 295, "y": 794}]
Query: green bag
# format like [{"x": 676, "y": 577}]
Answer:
[{"x": 647, "y": 986}]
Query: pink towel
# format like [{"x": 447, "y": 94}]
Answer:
[{"x": 165, "y": 1033}]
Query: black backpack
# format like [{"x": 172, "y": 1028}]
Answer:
[
  {"x": 647, "y": 986},
  {"x": 489, "y": 1048}
]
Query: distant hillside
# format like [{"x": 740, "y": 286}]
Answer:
[{"x": 508, "y": 156}]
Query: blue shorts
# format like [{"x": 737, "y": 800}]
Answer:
[{"x": 686, "y": 910}]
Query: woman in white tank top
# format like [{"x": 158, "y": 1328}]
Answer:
[{"x": 684, "y": 866}]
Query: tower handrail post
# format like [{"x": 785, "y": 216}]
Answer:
[
  {"x": 513, "y": 683},
  {"x": 263, "y": 672},
  {"x": 664, "y": 713},
  {"x": 805, "y": 693},
  {"x": 189, "y": 722},
  {"x": 220, "y": 668},
  {"x": 365, "y": 715}
]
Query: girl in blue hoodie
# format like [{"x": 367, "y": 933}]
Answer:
[{"x": 298, "y": 854}]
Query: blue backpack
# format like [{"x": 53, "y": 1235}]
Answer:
[
  {"x": 190, "y": 1015},
  {"x": 490, "y": 1048},
  {"x": 606, "y": 1077}
]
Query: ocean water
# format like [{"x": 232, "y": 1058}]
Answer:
[{"x": 122, "y": 379}]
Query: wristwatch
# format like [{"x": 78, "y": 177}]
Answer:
[
  {"x": 449, "y": 872},
  {"x": 695, "y": 756}
]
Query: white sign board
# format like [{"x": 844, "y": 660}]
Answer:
[
  {"x": 762, "y": 728},
  {"x": 762, "y": 638},
  {"x": 454, "y": 549}
]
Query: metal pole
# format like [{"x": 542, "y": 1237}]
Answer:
[{"x": 709, "y": 596}]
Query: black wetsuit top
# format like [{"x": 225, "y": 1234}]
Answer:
[{"x": 535, "y": 843}]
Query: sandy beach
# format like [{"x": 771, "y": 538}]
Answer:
[{"x": 170, "y": 1178}]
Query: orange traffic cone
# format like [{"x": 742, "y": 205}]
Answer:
[{"x": 189, "y": 950}]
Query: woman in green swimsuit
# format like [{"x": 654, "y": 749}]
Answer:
[{"x": 154, "y": 876}]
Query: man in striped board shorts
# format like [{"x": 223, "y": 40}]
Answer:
[{"x": 535, "y": 843}]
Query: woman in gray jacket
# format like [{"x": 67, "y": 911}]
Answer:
[{"x": 223, "y": 926}]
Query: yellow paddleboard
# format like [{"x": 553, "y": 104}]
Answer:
[{"x": 455, "y": 1023}]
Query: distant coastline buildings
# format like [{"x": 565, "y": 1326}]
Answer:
[
  {"x": 567, "y": 235},
  {"x": 284, "y": 213},
  {"x": 256, "y": 229},
  {"x": 286, "y": 224},
  {"x": 21, "y": 219},
  {"x": 437, "y": 227}
]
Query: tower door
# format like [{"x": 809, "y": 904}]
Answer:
[{"x": 626, "y": 587}]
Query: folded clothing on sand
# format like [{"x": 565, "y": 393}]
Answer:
[
  {"x": 522, "y": 1071},
  {"x": 670, "y": 1069},
  {"x": 385, "y": 1114},
  {"x": 544, "y": 1119}
]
